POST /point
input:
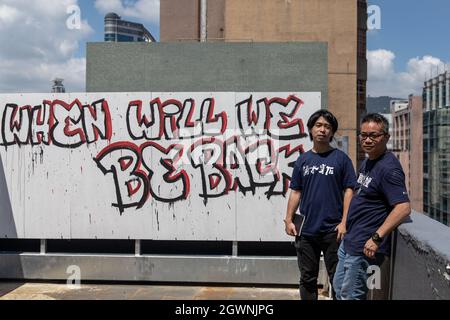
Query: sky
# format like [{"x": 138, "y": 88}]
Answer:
[
  {"x": 411, "y": 46},
  {"x": 44, "y": 39}
]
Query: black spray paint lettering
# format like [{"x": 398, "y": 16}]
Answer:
[
  {"x": 207, "y": 155},
  {"x": 122, "y": 160},
  {"x": 136, "y": 177},
  {"x": 242, "y": 163},
  {"x": 165, "y": 175},
  {"x": 224, "y": 166},
  {"x": 66, "y": 125},
  {"x": 173, "y": 119},
  {"x": 279, "y": 118}
]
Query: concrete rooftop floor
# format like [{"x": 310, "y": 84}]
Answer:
[{"x": 12, "y": 290}]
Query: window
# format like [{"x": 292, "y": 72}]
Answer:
[{"x": 123, "y": 38}]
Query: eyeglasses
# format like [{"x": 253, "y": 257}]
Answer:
[{"x": 372, "y": 136}]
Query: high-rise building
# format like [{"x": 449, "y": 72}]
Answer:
[
  {"x": 398, "y": 126},
  {"x": 407, "y": 145},
  {"x": 118, "y": 30},
  {"x": 436, "y": 147},
  {"x": 341, "y": 24}
]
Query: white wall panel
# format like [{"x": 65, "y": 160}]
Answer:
[{"x": 182, "y": 165}]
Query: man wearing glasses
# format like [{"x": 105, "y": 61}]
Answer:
[{"x": 379, "y": 205}]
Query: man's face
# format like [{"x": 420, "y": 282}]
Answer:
[
  {"x": 322, "y": 131},
  {"x": 373, "y": 139}
]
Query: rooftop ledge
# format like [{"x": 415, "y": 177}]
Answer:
[{"x": 422, "y": 260}]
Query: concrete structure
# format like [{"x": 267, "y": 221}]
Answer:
[
  {"x": 421, "y": 265},
  {"x": 341, "y": 24},
  {"x": 118, "y": 30},
  {"x": 408, "y": 145},
  {"x": 207, "y": 67},
  {"x": 16, "y": 290},
  {"x": 420, "y": 269},
  {"x": 436, "y": 148}
]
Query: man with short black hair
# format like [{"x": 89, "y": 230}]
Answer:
[
  {"x": 379, "y": 205},
  {"x": 322, "y": 184}
]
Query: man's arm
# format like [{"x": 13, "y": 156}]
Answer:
[
  {"x": 397, "y": 215},
  {"x": 341, "y": 227},
  {"x": 292, "y": 206}
]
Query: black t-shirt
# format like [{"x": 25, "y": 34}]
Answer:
[
  {"x": 322, "y": 179},
  {"x": 380, "y": 186}
]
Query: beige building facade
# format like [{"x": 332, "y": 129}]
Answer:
[
  {"x": 341, "y": 24},
  {"x": 407, "y": 118}
]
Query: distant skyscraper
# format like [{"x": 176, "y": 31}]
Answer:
[
  {"x": 407, "y": 145},
  {"x": 118, "y": 30},
  {"x": 58, "y": 86},
  {"x": 436, "y": 147},
  {"x": 399, "y": 140}
]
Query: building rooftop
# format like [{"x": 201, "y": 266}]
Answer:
[{"x": 112, "y": 15}]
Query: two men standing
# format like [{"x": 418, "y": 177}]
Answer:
[{"x": 363, "y": 221}]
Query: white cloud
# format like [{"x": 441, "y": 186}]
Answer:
[
  {"x": 33, "y": 76},
  {"x": 383, "y": 80},
  {"x": 42, "y": 46},
  {"x": 8, "y": 15},
  {"x": 380, "y": 63},
  {"x": 145, "y": 10}
]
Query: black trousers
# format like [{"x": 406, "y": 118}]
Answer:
[{"x": 308, "y": 258}]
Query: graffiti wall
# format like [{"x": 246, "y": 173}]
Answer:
[{"x": 165, "y": 166}]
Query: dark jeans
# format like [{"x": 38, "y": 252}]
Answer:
[{"x": 308, "y": 258}]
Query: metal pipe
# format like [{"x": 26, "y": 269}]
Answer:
[
  {"x": 43, "y": 246},
  {"x": 234, "y": 250},
  {"x": 137, "y": 248},
  {"x": 203, "y": 20}
]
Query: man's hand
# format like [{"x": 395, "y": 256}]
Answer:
[
  {"x": 341, "y": 231},
  {"x": 289, "y": 227},
  {"x": 370, "y": 248},
  {"x": 292, "y": 207}
]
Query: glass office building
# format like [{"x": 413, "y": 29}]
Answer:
[
  {"x": 436, "y": 148},
  {"x": 118, "y": 30}
]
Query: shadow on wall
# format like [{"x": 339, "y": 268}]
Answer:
[
  {"x": 10, "y": 262},
  {"x": 7, "y": 225}
]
